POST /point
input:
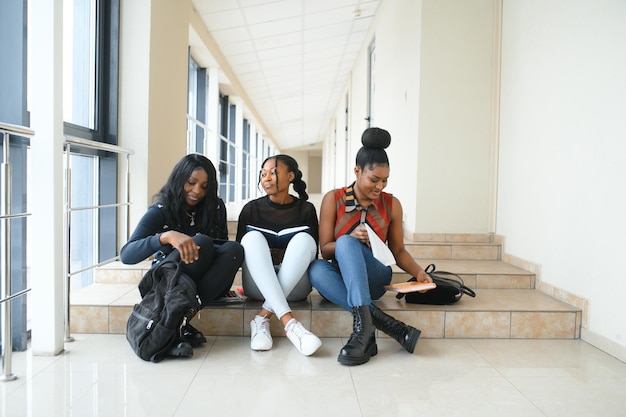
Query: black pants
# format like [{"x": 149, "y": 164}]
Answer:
[{"x": 215, "y": 269}]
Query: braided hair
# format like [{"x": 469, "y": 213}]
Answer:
[
  {"x": 372, "y": 153},
  {"x": 172, "y": 194},
  {"x": 292, "y": 166}
]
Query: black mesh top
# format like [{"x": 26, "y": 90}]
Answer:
[{"x": 262, "y": 212}]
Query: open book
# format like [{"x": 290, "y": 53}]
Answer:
[
  {"x": 278, "y": 239},
  {"x": 411, "y": 286}
]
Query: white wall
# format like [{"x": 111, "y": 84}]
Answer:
[
  {"x": 459, "y": 49},
  {"x": 435, "y": 72},
  {"x": 561, "y": 194},
  {"x": 153, "y": 94}
]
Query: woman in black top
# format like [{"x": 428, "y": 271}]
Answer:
[
  {"x": 275, "y": 266},
  {"x": 187, "y": 223}
]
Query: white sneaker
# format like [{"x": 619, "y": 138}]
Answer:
[
  {"x": 305, "y": 341},
  {"x": 260, "y": 336}
]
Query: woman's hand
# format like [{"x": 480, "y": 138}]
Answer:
[
  {"x": 183, "y": 243},
  {"x": 360, "y": 232},
  {"x": 422, "y": 276}
]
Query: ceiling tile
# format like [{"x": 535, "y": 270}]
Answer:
[
  {"x": 292, "y": 57},
  {"x": 225, "y": 20},
  {"x": 273, "y": 11},
  {"x": 227, "y": 36},
  {"x": 284, "y": 26},
  {"x": 204, "y": 6}
]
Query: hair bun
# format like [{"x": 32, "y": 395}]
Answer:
[{"x": 377, "y": 138}]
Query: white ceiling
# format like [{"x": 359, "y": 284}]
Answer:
[{"x": 292, "y": 57}]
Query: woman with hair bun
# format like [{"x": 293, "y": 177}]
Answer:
[
  {"x": 279, "y": 233},
  {"x": 354, "y": 278}
]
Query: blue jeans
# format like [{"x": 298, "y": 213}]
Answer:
[{"x": 354, "y": 278}]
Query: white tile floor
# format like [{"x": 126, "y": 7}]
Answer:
[{"x": 99, "y": 375}]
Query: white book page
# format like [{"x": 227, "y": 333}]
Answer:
[
  {"x": 380, "y": 250},
  {"x": 279, "y": 233}
]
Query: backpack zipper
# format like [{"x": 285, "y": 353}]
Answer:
[{"x": 150, "y": 321}]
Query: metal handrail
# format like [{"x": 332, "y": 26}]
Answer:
[
  {"x": 16, "y": 130},
  {"x": 6, "y": 130},
  {"x": 67, "y": 272},
  {"x": 15, "y": 295}
]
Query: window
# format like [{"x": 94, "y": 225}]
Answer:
[
  {"x": 371, "y": 84},
  {"x": 246, "y": 159},
  {"x": 90, "y": 76},
  {"x": 232, "y": 152},
  {"x": 90, "y": 69},
  {"x": 227, "y": 172},
  {"x": 197, "y": 94},
  {"x": 80, "y": 62},
  {"x": 83, "y": 234},
  {"x": 256, "y": 166}
]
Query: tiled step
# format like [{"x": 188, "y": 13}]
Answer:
[
  {"x": 472, "y": 256},
  {"x": 506, "y": 306},
  {"x": 494, "y": 313},
  {"x": 119, "y": 273},
  {"x": 458, "y": 246},
  {"x": 476, "y": 274},
  {"x": 458, "y": 251}
]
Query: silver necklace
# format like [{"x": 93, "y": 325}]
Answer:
[{"x": 192, "y": 216}]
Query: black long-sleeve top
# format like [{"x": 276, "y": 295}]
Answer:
[{"x": 145, "y": 239}]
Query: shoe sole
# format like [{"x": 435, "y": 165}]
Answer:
[
  {"x": 263, "y": 349},
  {"x": 414, "y": 335},
  {"x": 353, "y": 361},
  {"x": 311, "y": 352},
  {"x": 195, "y": 343}
]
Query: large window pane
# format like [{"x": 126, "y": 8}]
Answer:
[
  {"x": 79, "y": 62},
  {"x": 245, "y": 166},
  {"x": 223, "y": 169},
  {"x": 83, "y": 232}
]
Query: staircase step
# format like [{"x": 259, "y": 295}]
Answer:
[
  {"x": 494, "y": 313},
  {"x": 506, "y": 305},
  {"x": 476, "y": 274},
  {"x": 453, "y": 250},
  {"x": 119, "y": 273}
]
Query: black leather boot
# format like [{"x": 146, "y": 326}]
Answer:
[
  {"x": 403, "y": 333},
  {"x": 362, "y": 344},
  {"x": 180, "y": 349},
  {"x": 191, "y": 335}
]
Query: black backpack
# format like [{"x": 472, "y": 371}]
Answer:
[
  {"x": 450, "y": 289},
  {"x": 168, "y": 298}
]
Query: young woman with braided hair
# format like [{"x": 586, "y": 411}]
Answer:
[{"x": 277, "y": 272}]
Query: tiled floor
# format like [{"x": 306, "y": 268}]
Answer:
[{"x": 99, "y": 375}]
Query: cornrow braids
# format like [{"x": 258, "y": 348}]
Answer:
[{"x": 292, "y": 166}]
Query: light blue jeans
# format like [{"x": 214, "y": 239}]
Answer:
[
  {"x": 354, "y": 278},
  {"x": 277, "y": 284}
]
